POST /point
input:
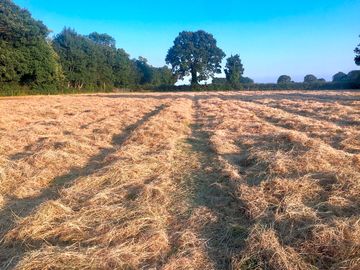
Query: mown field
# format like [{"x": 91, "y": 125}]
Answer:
[{"x": 221, "y": 180}]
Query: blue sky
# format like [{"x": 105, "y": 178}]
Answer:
[{"x": 272, "y": 37}]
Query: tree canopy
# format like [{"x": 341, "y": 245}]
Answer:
[
  {"x": 357, "y": 55},
  {"x": 93, "y": 61},
  {"x": 77, "y": 56},
  {"x": 234, "y": 69},
  {"x": 310, "y": 78},
  {"x": 354, "y": 76},
  {"x": 102, "y": 39},
  {"x": 246, "y": 80},
  {"x": 340, "y": 77},
  {"x": 284, "y": 79},
  {"x": 27, "y": 57},
  {"x": 195, "y": 54}
]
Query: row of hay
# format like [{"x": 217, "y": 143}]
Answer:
[
  {"x": 301, "y": 194},
  {"x": 338, "y": 113},
  {"x": 45, "y": 137},
  {"x": 120, "y": 216},
  {"x": 340, "y": 137}
]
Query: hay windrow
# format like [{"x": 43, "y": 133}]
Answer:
[{"x": 225, "y": 180}]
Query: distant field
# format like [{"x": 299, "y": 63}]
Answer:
[{"x": 221, "y": 180}]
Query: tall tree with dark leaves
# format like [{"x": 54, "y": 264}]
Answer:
[
  {"x": 234, "y": 69},
  {"x": 284, "y": 79},
  {"x": 27, "y": 56},
  {"x": 195, "y": 54},
  {"x": 125, "y": 72},
  {"x": 76, "y": 53},
  {"x": 310, "y": 78},
  {"x": 340, "y": 77}
]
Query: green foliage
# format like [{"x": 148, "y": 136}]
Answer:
[
  {"x": 260, "y": 86},
  {"x": 224, "y": 81},
  {"x": 246, "y": 80},
  {"x": 234, "y": 69},
  {"x": 149, "y": 75},
  {"x": 102, "y": 39},
  {"x": 26, "y": 58},
  {"x": 144, "y": 71},
  {"x": 357, "y": 55},
  {"x": 354, "y": 76},
  {"x": 31, "y": 64},
  {"x": 195, "y": 54},
  {"x": 17, "y": 25},
  {"x": 124, "y": 70},
  {"x": 76, "y": 53},
  {"x": 340, "y": 77},
  {"x": 310, "y": 78},
  {"x": 163, "y": 76},
  {"x": 283, "y": 79},
  {"x": 219, "y": 81},
  {"x": 93, "y": 61}
]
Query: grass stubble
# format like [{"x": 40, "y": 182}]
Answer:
[{"x": 235, "y": 180}]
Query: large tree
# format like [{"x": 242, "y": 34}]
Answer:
[
  {"x": 310, "y": 78},
  {"x": 234, "y": 69},
  {"x": 26, "y": 55},
  {"x": 125, "y": 72},
  {"x": 195, "y": 54},
  {"x": 340, "y": 77},
  {"x": 284, "y": 79},
  {"x": 91, "y": 61},
  {"x": 354, "y": 76},
  {"x": 77, "y": 56},
  {"x": 357, "y": 56}
]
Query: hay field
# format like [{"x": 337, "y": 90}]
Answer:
[{"x": 222, "y": 180}]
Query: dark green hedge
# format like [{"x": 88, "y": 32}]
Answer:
[
  {"x": 262, "y": 87},
  {"x": 17, "y": 90}
]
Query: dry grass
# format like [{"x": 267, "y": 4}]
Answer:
[
  {"x": 241, "y": 180},
  {"x": 299, "y": 184}
]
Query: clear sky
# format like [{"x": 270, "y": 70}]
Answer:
[{"x": 272, "y": 37}]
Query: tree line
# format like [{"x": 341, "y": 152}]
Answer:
[
  {"x": 352, "y": 76},
  {"x": 29, "y": 58}
]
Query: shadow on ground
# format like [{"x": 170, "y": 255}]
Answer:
[
  {"x": 215, "y": 192},
  {"x": 11, "y": 254}
]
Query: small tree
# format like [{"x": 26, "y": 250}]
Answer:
[
  {"x": 234, "y": 69},
  {"x": 284, "y": 79},
  {"x": 195, "y": 54},
  {"x": 357, "y": 56},
  {"x": 340, "y": 77},
  {"x": 310, "y": 78}
]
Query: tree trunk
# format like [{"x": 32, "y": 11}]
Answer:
[{"x": 194, "y": 77}]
